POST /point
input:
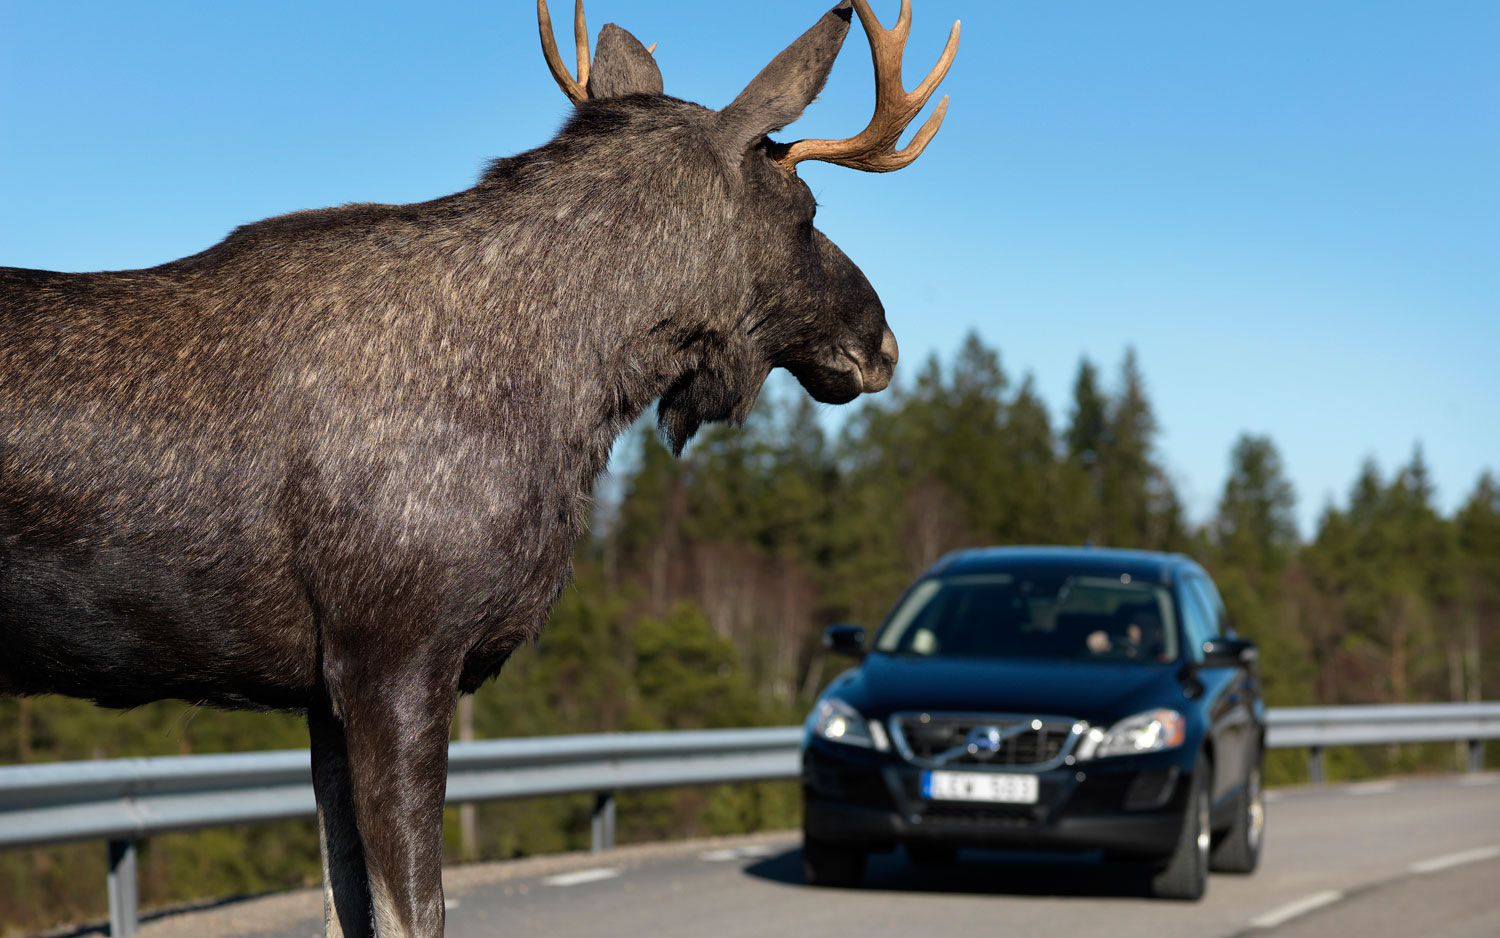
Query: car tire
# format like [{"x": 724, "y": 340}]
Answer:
[
  {"x": 1238, "y": 850},
  {"x": 1185, "y": 873},
  {"x": 931, "y": 856},
  {"x": 834, "y": 865}
]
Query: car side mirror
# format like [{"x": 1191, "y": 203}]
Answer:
[
  {"x": 1230, "y": 653},
  {"x": 845, "y": 639}
]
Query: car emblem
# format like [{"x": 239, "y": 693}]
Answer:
[{"x": 984, "y": 741}]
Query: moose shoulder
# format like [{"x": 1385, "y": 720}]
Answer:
[{"x": 338, "y": 461}]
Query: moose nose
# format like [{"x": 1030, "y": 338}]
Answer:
[
  {"x": 888, "y": 350},
  {"x": 878, "y": 376}
]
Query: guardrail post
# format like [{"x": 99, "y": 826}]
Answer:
[
  {"x": 604, "y": 821},
  {"x": 1315, "y": 764},
  {"x": 1476, "y": 755},
  {"x": 124, "y": 913}
]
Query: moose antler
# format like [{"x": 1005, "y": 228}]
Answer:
[
  {"x": 874, "y": 148},
  {"x": 575, "y": 89}
]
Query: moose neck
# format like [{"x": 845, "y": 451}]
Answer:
[{"x": 619, "y": 255}]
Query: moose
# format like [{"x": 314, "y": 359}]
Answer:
[{"x": 337, "y": 462}]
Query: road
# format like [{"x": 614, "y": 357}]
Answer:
[{"x": 1392, "y": 858}]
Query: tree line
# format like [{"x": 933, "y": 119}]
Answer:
[{"x": 700, "y": 598}]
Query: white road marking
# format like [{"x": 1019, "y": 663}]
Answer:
[
  {"x": 1285, "y": 913},
  {"x": 1271, "y": 796},
  {"x": 582, "y": 876},
  {"x": 1472, "y": 781},
  {"x": 734, "y": 853},
  {"x": 450, "y": 904},
  {"x": 1451, "y": 860},
  {"x": 1370, "y": 788}
]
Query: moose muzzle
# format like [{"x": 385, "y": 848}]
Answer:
[{"x": 875, "y": 373}]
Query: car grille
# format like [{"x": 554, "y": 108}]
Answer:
[{"x": 929, "y": 735}]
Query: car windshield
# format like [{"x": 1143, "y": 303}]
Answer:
[{"x": 1000, "y": 615}]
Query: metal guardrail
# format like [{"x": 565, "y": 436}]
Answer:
[
  {"x": 125, "y": 800},
  {"x": 1317, "y": 728},
  {"x": 120, "y": 799}
]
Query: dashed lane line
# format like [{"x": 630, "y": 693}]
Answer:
[
  {"x": 1450, "y": 860},
  {"x": 581, "y": 876},
  {"x": 1370, "y": 788},
  {"x": 735, "y": 853},
  {"x": 1283, "y": 914}
]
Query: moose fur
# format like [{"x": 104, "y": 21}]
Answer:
[{"x": 337, "y": 463}]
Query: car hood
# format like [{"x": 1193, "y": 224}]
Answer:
[{"x": 1092, "y": 691}]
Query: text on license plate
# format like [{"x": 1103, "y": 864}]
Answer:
[{"x": 979, "y": 786}]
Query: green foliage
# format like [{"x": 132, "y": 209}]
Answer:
[
  {"x": 1256, "y": 528},
  {"x": 700, "y": 601},
  {"x": 1402, "y": 618},
  {"x": 690, "y": 674}
]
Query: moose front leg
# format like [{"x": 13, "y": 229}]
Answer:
[{"x": 396, "y": 734}]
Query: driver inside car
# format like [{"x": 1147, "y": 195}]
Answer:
[{"x": 1136, "y": 634}]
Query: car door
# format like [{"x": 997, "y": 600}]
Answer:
[
  {"x": 1226, "y": 715},
  {"x": 1234, "y": 708},
  {"x": 1247, "y": 682}
]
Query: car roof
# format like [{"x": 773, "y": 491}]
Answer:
[{"x": 1148, "y": 565}]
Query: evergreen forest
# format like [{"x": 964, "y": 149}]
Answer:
[{"x": 701, "y": 594}]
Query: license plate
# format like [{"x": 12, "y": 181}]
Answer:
[{"x": 979, "y": 786}]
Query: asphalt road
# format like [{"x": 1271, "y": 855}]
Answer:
[{"x": 1416, "y": 857}]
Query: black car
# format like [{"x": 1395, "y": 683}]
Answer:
[{"x": 1042, "y": 698}]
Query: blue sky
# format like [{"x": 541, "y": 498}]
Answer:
[{"x": 1291, "y": 210}]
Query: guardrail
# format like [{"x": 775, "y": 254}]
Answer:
[
  {"x": 1317, "y": 728},
  {"x": 125, "y": 800}
]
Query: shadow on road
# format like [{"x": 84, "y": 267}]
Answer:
[
  {"x": 101, "y": 928},
  {"x": 981, "y": 872}
]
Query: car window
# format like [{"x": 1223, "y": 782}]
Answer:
[
  {"x": 1197, "y": 622},
  {"x": 1211, "y": 604},
  {"x": 1033, "y": 616},
  {"x": 1222, "y": 625}
]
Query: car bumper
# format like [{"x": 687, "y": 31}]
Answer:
[{"x": 1131, "y": 805}]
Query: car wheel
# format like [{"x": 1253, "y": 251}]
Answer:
[
  {"x": 1238, "y": 851},
  {"x": 931, "y": 855},
  {"x": 1185, "y": 874},
  {"x": 826, "y": 864}
]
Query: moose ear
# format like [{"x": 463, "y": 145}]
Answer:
[
  {"x": 622, "y": 66},
  {"x": 784, "y": 88}
]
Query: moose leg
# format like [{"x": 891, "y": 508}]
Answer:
[
  {"x": 397, "y": 736},
  {"x": 346, "y": 887}
]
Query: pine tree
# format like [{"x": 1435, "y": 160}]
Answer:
[
  {"x": 1256, "y": 527},
  {"x": 1087, "y": 439},
  {"x": 1129, "y": 475},
  {"x": 1253, "y": 542},
  {"x": 1029, "y": 484}
]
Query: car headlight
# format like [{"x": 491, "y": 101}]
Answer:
[
  {"x": 1151, "y": 731},
  {"x": 838, "y": 722}
]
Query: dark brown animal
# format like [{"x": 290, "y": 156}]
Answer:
[{"x": 338, "y": 461}]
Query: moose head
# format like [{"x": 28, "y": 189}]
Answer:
[{"x": 801, "y": 304}]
